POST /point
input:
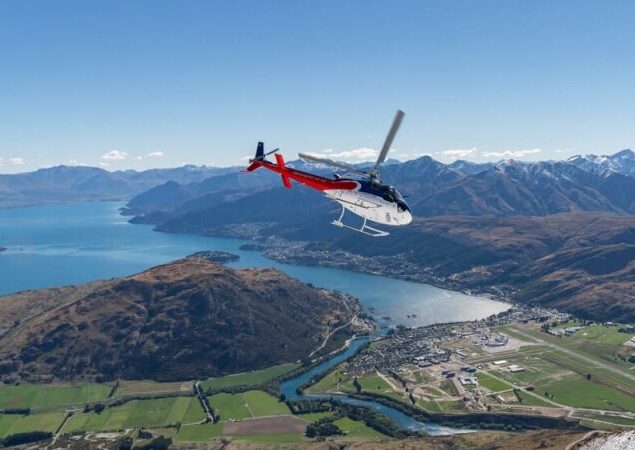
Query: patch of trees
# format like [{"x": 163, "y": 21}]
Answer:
[
  {"x": 114, "y": 389},
  {"x": 159, "y": 443},
  {"x": 323, "y": 428},
  {"x": 376, "y": 421},
  {"x": 26, "y": 438},
  {"x": 310, "y": 406},
  {"x": 358, "y": 386},
  {"x": 16, "y": 411}
]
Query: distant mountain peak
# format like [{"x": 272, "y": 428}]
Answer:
[{"x": 622, "y": 162}]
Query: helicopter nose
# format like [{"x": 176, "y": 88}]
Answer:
[{"x": 406, "y": 217}]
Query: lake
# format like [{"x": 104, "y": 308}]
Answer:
[{"x": 69, "y": 244}]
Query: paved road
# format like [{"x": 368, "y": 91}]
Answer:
[{"x": 590, "y": 360}]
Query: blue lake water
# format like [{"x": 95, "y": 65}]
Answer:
[{"x": 69, "y": 244}]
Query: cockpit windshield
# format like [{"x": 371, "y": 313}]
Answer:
[{"x": 392, "y": 195}]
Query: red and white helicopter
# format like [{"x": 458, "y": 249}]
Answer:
[{"x": 365, "y": 196}]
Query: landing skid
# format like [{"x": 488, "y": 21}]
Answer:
[{"x": 364, "y": 229}]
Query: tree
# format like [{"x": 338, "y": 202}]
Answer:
[
  {"x": 99, "y": 407},
  {"x": 358, "y": 386}
]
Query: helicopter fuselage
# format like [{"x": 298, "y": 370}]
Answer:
[{"x": 369, "y": 199}]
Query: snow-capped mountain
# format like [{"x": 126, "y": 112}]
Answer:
[{"x": 621, "y": 162}]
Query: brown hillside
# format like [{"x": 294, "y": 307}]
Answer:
[{"x": 187, "y": 319}]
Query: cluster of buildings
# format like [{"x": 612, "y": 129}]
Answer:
[
  {"x": 423, "y": 347},
  {"x": 406, "y": 346},
  {"x": 514, "y": 368},
  {"x": 564, "y": 331}
]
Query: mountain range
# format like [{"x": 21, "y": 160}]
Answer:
[
  {"x": 184, "y": 320},
  {"x": 432, "y": 188},
  {"x": 559, "y": 233},
  {"x": 63, "y": 184}
]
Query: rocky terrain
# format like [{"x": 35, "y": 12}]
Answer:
[{"x": 183, "y": 320}]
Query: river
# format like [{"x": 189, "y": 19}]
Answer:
[{"x": 69, "y": 244}]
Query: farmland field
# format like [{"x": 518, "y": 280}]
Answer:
[
  {"x": 139, "y": 413},
  {"x": 229, "y": 406},
  {"x": 491, "y": 383},
  {"x": 51, "y": 396},
  {"x": 11, "y": 423},
  {"x": 197, "y": 433},
  {"x": 262, "y": 404},
  {"x": 148, "y": 386},
  {"x": 247, "y": 404},
  {"x": 249, "y": 378},
  {"x": 586, "y": 394}
]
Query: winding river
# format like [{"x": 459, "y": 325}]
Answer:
[{"x": 70, "y": 244}]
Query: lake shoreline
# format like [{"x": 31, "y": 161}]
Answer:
[{"x": 293, "y": 253}]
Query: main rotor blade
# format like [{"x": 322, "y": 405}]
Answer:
[
  {"x": 391, "y": 136},
  {"x": 330, "y": 162}
]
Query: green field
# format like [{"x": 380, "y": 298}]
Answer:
[
  {"x": 153, "y": 413},
  {"x": 229, "y": 406},
  {"x": 51, "y": 396},
  {"x": 249, "y": 378},
  {"x": 586, "y": 394},
  {"x": 491, "y": 383},
  {"x": 598, "y": 341},
  {"x": 358, "y": 430},
  {"x": 429, "y": 405},
  {"x": 199, "y": 433},
  {"x": 336, "y": 380},
  {"x": 148, "y": 386},
  {"x": 262, "y": 404},
  {"x": 374, "y": 383},
  {"x": 12, "y": 424},
  {"x": 247, "y": 404},
  {"x": 531, "y": 400}
]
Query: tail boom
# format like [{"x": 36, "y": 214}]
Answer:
[{"x": 287, "y": 174}]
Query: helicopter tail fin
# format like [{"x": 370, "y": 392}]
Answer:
[{"x": 260, "y": 156}]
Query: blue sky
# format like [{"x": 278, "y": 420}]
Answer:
[{"x": 152, "y": 84}]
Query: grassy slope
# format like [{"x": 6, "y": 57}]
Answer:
[{"x": 249, "y": 378}]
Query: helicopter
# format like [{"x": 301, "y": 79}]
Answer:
[{"x": 365, "y": 196}]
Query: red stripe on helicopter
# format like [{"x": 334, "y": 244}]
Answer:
[{"x": 308, "y": 179}]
